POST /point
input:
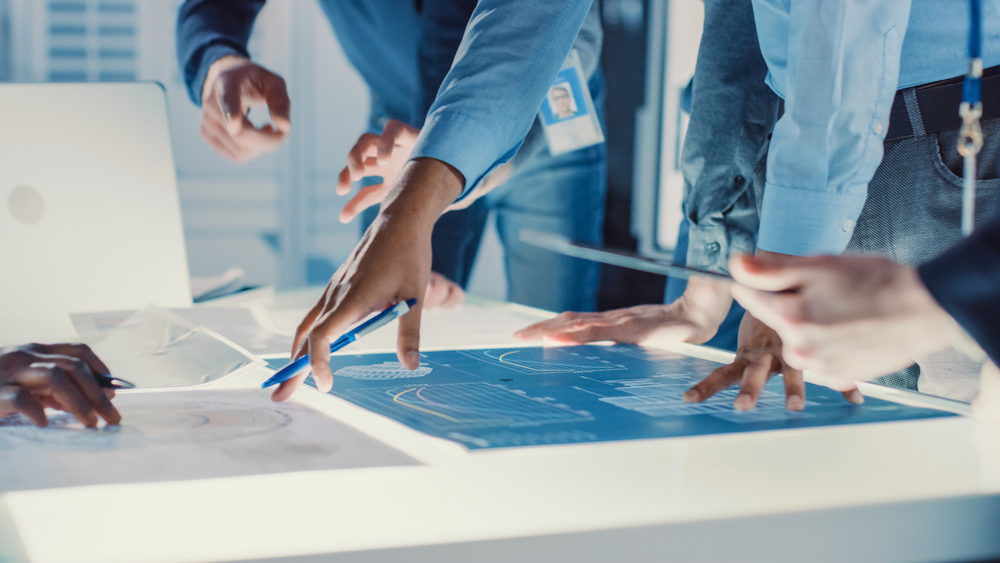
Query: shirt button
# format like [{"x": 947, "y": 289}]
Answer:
[
  {"x": 712, "y": 247},
  {"x": 878, "y": 129},
  {"x": 848, "y": 226}
]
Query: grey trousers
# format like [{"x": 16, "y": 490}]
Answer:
[{"x": 913, "y": 214}]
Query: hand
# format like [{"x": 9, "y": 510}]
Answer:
[
  {"x": 60, "y": 376},
  {"x": 375, "y": 155},
  {"x": 694, "y": 317},
  {"x": 851, "y": 317},
  {"x": 442, "y": 292},
  {"x": 232, "y": 86},
  {"x": 758, "y": 358},
  {"x": 391, "y": 263},
  {"x": 384, "y": 155}
]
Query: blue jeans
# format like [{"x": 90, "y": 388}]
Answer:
[
  {"x": 563, "y": 195},
  {"x": 556, "y": 194},
  {"x": 725, "y": 338}
]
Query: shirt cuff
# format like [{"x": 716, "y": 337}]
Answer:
[
  {"x": 806, "y": 222},
  {"x": 464, "y": 143},
  {"x": 211, "y": 54}
]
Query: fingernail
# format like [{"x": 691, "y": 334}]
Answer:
[
  {"x": 743, "y": 402},
  {"x": 794, "y": 403},
  {"x": 691, "y": 396},
  {"x": 856, "y": 397},
  {"x": 413, "y": 358}
]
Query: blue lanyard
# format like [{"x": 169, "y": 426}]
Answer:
[{"x": 971, "y": 139}]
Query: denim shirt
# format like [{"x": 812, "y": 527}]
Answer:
[
  {"x": 838, "y": 64},
  {"x": 732, "y": 113},
  {"x": 508, "y": 59},
  {"x": 509, "y": 55},
  {"x": 380, "y": 39}
]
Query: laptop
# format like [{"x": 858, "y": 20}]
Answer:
[{"x": 89, "y": 213}]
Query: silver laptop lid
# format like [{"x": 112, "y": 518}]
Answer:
[{"x": 89, "y": 213}]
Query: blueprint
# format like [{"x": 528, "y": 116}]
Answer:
[{"x": 509, "y": 397}]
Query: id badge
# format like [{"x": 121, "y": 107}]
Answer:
[{"x": 567, "y": 113}]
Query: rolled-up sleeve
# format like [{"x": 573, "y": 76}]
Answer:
[
  {"x": 840, "y": 77},
  {"x": 508, "y": 59},
  {"x": 732, "y": 112}
]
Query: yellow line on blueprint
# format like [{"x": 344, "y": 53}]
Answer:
[
  {"x": 502, "y": 356},
  {"x": 444, "y": 416}
]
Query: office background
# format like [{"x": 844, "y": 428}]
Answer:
[{"x": 275, "y": 217}]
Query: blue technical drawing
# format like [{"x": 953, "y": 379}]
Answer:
[{"x": 516, "y": 397}]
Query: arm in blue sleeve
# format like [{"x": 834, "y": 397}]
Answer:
[
  {"x": 444, "y": 23},
  {"x": 508, "y": 59},
  {"x": 732, "y": 112},
  {"x": 963, "y": 281},
  {"x": 208, "y": 30},
  {"x": 842, "y": 61}
]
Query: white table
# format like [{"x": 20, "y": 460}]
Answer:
[{"x": 910, "y": 491}]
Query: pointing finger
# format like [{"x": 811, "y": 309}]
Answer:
[
  {"x": 408, "y": 338},
  {"x": 719, "y": 380},
  {"x": 755, "y": 376},
  {"x": 795, "y": 389}
]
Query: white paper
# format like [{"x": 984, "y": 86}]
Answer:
[
  {"x": 237, "y": 324},
  {"x": 209, "y": 287},
  {"x": 155, "y": 349},
  {"x": 190, "y": 434}
]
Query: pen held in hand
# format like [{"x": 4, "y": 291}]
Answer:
[
  {"x": 376, "y": 322},
  {"x": 108, "y": 382}
]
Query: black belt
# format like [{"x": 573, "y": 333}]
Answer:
[{"x": 938, "y": 103}]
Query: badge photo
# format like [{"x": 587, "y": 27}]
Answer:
[{"x": 567, "y": 113}]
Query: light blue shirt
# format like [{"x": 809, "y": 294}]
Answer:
[
  {"x": 838, "y": 64},
  {"x": 508, "y": 59}
]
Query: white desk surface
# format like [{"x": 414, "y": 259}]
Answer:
[{"x": 909, "y": 491}]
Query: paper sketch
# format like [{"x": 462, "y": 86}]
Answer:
[{"x": 184, "y": 435}]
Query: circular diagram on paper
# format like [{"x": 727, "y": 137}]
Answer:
[{"x": 197, "y": 422}]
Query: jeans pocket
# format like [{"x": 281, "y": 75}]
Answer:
[
  {"x": 949, "y": 162},
  {"x": 942, "y": 151}
]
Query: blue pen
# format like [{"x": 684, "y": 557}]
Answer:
[{"x": 378, "y": 321}]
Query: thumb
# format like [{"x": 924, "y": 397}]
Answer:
[
  {"x": 408, "y": 337},
  {"x": 231, "y": 105},
  {"x": 767, "y": 273}
]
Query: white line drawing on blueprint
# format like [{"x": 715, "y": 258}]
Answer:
[
  {"x": 660, "y": 396},
  {"x": 383, "y": 371},
  {"x": 543, "y": 360},
  {"x": 452, "y": 406}
]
